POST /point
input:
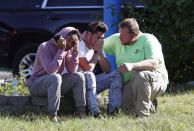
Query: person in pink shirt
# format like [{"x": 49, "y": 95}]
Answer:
[{"x": 47, "y": 78}]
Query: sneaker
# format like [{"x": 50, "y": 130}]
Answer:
[
  {"x": 155, "y": 103},
  {"x": 138, "y": 115},
  {"x": 114, "y": 112},
  {"x": 95, "y": 114},
  {"x": 53, "y": 119},
  {"x": 81, "y": 114},
  {"x": 154, "y": 106}
]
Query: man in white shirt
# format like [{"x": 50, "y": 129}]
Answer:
[{"x": 90, "y": 52}]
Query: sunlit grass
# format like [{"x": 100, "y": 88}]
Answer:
[{"x": 175, "y": 113}]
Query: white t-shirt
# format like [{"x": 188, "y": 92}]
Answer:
[{"x": 84, "y": 52}]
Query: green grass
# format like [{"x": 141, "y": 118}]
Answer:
[{"x": 175, "y": 113}]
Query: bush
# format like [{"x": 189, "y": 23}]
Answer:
[
  {"x": 172, "y": 22},
  {"x": 7, "y": 88}
]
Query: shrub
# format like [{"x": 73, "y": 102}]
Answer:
[{"x": 7, "y": 88}]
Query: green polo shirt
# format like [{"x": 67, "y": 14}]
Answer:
[{"x": 146, "y": 47}]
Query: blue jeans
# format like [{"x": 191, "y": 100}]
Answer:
[
  {"x": 91, "y": 98},
  {"x": 55, "y": 85},
  {"x": 111, "y": 81}
]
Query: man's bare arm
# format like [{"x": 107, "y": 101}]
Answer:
[
  {"x": 149, "y": 64},
  {"x": 104, "y": 63},
  {"x": 88, "y": 65}
]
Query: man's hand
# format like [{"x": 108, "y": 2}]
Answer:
[
  {"x": 61, "y": 43},
  {"x": 126, "y": 67},
  {"x": 98, "y": 45}
]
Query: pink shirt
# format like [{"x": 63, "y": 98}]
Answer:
[{"x": 51, "y": 60}]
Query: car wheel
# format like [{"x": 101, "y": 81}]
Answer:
[{"x": 24, "y": 60}]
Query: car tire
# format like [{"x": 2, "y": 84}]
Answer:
[{"x": 24, "y": 60}]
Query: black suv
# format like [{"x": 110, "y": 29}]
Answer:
[{"x": 24, "y": 24}]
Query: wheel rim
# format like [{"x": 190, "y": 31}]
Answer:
[{"x": 26, "y": 64}]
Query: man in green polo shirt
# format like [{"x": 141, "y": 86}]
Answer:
[{"x": 140, "y": 60}]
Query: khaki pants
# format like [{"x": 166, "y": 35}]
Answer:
[{"x": 137, "y": 95}]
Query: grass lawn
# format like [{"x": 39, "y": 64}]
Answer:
[{"x": 175, "y": 113}]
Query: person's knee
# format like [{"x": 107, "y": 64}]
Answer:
[
  {"x": 116, "y": 80},
  {"x": 139, "y": 76},
  {"x": 142, "y": 84},
  {"x": 55, "y": 83},
  {"x": 56, "y": 78},
  {"x": 90, "y": 76},
  {"x": 79, "y": 77},
  {"x": 90, "y": 80},
  {"x": 140, "y": 80},
  {"x": 89, "y": 73}
]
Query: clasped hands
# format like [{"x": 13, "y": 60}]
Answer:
[
  {"x": 68, "y": 42},
  {"x": 126, "y": 67}
]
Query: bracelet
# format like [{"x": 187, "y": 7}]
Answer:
[{"x": 75, "y": 51}]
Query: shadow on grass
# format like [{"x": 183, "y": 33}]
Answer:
[
  {"x": 179, "y": 88},
  {"x": 32, "y": 115},
  {"x": 23, "y": 115}
]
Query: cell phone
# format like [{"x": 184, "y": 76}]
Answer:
[{"x": 56, "y": 38}]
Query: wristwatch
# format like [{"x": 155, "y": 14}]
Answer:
[{"x": 95, "y": 52}]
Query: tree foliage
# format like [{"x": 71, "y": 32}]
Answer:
[{"x": 172, "y": 22}]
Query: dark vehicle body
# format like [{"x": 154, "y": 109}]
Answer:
[{"x": 24, "y": 24}]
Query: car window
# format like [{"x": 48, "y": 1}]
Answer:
[
  {"x": 20, "y": 4},
  {"x": 74, "y": 2}
]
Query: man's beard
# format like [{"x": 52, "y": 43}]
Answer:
[{"x": 126, "y": 43}]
